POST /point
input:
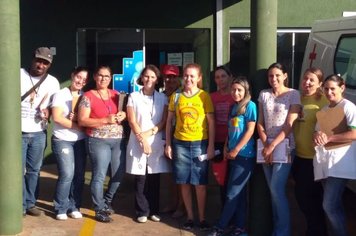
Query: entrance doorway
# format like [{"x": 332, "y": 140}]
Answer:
[{"x": 122, "y": 50}]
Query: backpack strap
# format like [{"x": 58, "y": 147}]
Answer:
[
  {"x": 176, "y": 98},
  {"x": 34, "y": 87},
  {"x": 122, "y": 100}
]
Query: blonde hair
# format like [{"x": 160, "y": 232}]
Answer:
[{"x": 241, "y": 107}]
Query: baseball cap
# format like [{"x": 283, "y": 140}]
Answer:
[
  {"x": 170, "y": 70},
  {"x": 44, "y": 53}
]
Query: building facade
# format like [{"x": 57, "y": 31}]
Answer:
[{"x": 209, "y": 32}]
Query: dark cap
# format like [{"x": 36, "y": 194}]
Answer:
[
  {"x": 44, "y": 53},
  {"x": 170, "y": 70}
]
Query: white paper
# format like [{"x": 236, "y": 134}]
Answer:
[
  {"x": 204, "y": 157},
  {"x": 175, "y": 59},
  {"x": 280, "y": 153}
]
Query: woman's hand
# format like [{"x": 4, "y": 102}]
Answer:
[
  {"x": 267, "y": 153},
  {"x": 146, "y": 147},
  {"x": 168, "y": 151},
  {"x": 226, "y": 152},
  {"x": 320, "y": 138},
  {"x": 120, "y": 116},
  {"x": 211, "y": 152},
  {"x": 73, "y": 117},
  {"x": 232, "y": 154}
]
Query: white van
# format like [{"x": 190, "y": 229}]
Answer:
[{"x": 332, "y": 47}]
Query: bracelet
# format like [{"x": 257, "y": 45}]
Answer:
[{"x": 139, "y": 137}]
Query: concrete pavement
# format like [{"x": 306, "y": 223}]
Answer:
[{"x": 124, "y": 220}]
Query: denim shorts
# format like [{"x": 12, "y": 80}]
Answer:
[{"x": 187, "y": 168}]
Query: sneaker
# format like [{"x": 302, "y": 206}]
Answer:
[
  {"x": 155, "y": 218},
  {"x": 108, "y": 208},
  {"x": 216, "y": 232},
  {"x": 75, "y": 215},
  {"x": 188, "y": 225},
  {"x": 102, "y": 216},
  {"x": 204, "y": 226},
  {"x": 33, "y": 211},
  {"x": 142, "y": 219},
  {"x": 61, "y": 216},
  {"x": 237, "y": 232}
]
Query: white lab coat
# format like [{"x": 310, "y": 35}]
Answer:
[{"x": 147, "y": 116}]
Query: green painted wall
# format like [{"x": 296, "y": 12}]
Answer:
[
  {"x": 291, "y": 14},
  {"x": 54, "y": 23}
]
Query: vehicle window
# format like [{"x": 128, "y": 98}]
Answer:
[{"x": 345, "y": 59}]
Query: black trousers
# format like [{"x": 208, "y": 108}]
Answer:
[
  {"x": 309, "y": 195},
  {"x": 147, "y": 194}
]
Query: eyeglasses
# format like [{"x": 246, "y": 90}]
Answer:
[{"x": 106, "y": 77}]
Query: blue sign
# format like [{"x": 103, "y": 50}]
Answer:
[{"x": 131, "y": 69}]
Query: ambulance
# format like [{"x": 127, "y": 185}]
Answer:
[{"x": 332, "y": 47}]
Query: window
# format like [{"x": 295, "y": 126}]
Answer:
[
  {"x": 290, "y": 51},
  {"x": 345, "y": 59}
]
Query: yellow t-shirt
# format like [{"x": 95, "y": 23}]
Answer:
[
  {"x": 304, "y": 126},
  {"x": 191, "y": 122}
]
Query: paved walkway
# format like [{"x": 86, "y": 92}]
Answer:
[{"x": 124, "y": 224}]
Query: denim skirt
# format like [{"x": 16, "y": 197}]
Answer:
[{"x": 187, "y": 168}]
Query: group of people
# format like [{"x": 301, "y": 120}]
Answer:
[{"x": 179, "y": 130}]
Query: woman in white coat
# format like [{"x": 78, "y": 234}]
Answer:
[{"x": 147, "y": 114}]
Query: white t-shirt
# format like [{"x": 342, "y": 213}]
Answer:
[
  {"x": 275, "y": 111},
  {"x": 43, "y": 94},
  {"x": 63, "y": 99},
  {"x": 338, "y": 162}
]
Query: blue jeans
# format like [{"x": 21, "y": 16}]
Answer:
[
  {"x": 33, "y": 146},
  {"x": 276, "y": 177},
  {"x": 332, "y": 204},
  {"x": 235, "y": 206},
  {"x": 104, "y": 152},
  {"x": 71, "y": 160}
]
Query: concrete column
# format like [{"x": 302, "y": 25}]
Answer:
[
  {"x": 263, "y": 53},
  {"x": 10, "y": 120}
]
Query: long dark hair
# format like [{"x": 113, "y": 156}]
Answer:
[
  {"x": 281, "y": 67},
  {"x": 159, "y": 82},
  {"x": 337, "y": 79},
  {"x": 224, "y": 68}
]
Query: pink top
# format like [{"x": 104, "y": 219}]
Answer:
[{"x": 222, "y": 104}]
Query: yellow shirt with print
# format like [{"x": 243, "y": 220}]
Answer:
[
  {"x": 191, "y": 121},
  {"x": 304, "y": 126}
]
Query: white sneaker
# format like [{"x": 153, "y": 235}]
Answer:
[
  {"x": 61, "y": 217},
  {"x": 155, "y": 218},
  {"x": 142, "y": 219},
  {"x": 75, "y": 215}
]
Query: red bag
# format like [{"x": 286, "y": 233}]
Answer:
[{"x": 220, "y": 171}]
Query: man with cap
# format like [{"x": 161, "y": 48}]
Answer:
[
  {"x": 170, "y": 75},
  {"x": 37, "y": 88}
]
